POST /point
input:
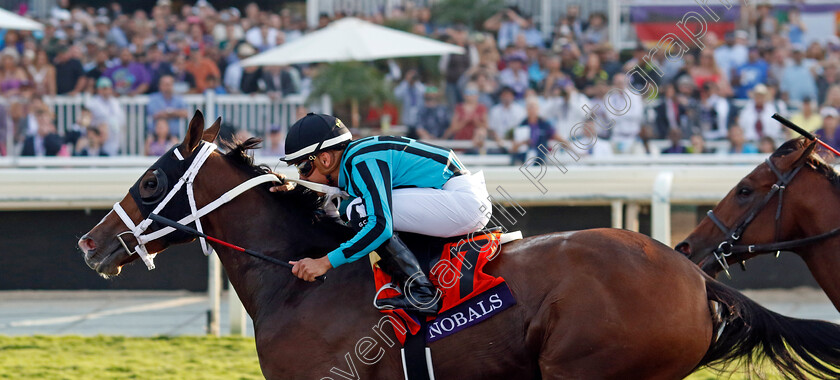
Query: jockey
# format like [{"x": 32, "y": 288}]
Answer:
[{"x": 399, "y": 184}]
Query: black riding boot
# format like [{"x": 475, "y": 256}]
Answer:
[{"x": 402, "y": 266}]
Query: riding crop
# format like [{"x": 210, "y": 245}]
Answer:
[
  {"x": 809, "y": 135},
  {"x": 189, "y": 230}
]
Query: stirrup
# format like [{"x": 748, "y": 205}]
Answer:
[{"x": 387, "y": 286}]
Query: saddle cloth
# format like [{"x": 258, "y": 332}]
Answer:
[{"x": 456, "y": 268}]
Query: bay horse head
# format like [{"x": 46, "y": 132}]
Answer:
[
  {"x": 788, "y": 203},
  {"x": 126, "y": 233}
]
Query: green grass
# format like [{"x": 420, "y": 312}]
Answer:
[{"x": 114, "y": 357}]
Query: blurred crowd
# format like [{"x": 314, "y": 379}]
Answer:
[{"x": 515, "y": 89}]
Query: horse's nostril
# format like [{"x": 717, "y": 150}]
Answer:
[
  {"x": 87, "y": 244},
  {"x": 684, "y": 248}
]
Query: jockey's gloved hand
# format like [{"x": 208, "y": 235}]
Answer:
[{"x": 283, "y": 184}]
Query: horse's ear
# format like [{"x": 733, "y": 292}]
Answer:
[
  {"x": 211, "y": 133},
  {"x": 194, "y": 134},
  {"x": 806, "y": 154}
]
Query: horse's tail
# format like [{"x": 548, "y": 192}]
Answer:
[{"x": 747, "y": 333}]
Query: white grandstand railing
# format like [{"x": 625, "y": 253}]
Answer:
[
  {"x": 254, "y": 113},
  {"x": 470, "y": 160}
]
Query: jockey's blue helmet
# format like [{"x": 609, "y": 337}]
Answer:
[{"x": 314, "y": 133}]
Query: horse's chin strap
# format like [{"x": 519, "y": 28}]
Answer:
[{"x": 195, "y": 213}]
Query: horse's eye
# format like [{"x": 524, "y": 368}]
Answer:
[
  {"x": 744, "y": 192},
  {"x": 150, "y": 184}
]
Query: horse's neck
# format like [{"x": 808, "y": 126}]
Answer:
[
  {"x": 824, "y": 262},
  {"x": 259, "y": 221},
  {"x": 259, "y": 283},
  {"x": 823, "y": 258}
]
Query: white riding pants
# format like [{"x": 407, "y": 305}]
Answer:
[{"x": 461, "y": 207}]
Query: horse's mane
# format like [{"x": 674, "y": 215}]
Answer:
[
  {"x": 302, "y": 200},
  {"x": 815, "y": 160}
]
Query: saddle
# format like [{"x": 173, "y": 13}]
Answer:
[{"x": 456, "y": 267}]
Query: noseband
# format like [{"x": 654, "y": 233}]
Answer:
[{"x": 727, "y": 247}]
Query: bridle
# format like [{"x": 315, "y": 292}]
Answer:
[
  {"x": 727, "y": 247},
  {"x": 186, "y": 180}
]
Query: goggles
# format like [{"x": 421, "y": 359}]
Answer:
[{"x": 305, "y": 168}]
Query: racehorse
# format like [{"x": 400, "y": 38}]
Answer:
[
  {"x": 594, "y": 304},
  {"x": 791, "y": 202}
]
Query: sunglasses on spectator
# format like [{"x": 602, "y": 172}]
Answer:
[{"x": 305, "y": 167}]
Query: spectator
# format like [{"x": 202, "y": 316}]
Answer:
[
  {"x": 671, "y": 113},
  {"x": 109, "y": 115},
  {"x": 275, "y": 147},
  {"x": 756, "y": 117},
  {"x": 168, "y": 106},
  {"x": 91, "y": 145},
  {"x": 596, "y": 32},
  {"x": 99, "y": 65},
  {"x": 750, "y": 74},
  {"x": 214, "y": 86},
  {"x": 504, "y": 116},
  {"x": 532, "y": 133},
  {"x": 42, "y": 74},
  {"x": 183, "y": 80},
  {"x": 156, "y": 66},
  {"x": 233, "y": 72},
  {"x": 795, "y": 28},
  {"x": 798, "y": 78},
  {"x": 806, "y": 117},
  {"x": 76, "y": 131},
  {"x": 675, "y": 136},
  {"x": 600, "y": 147},
  {"x": 46, "y": 142},
  {"x": 12, "y": 76},
  {"x": 453, "y": 66},
  {"x": 586, "y": 75},
  {"x": 643, "y": 145},
  {"x": 514, "y": 75},
  {"x": 565, "y": 106},
  {"x": 737, "y": 143},
  {"x": 830, "y": 77},
  {"x": 433, "y": 118},
  {"x": 161, "y": 140},
  {"x": 470, "y": 119},
  {"x": 409, "y": 93},
  {"x": 5, "y": 129},
  {"x": 508, "y": 23},
  {"x": 279, "y": 82},
  {"x": 829, "y": 132},
  {"x": 627, "y": 127},
  {"x": 129, "y": 76},
  {"x": 733, "y": 54},
  {"x": 712, "y": 113},
  {"x": 766, "y": 145},
  {"x": 201, "y": 67},
  {"x": 698, "y": 145},
  {"x": 708, "y": 71}
]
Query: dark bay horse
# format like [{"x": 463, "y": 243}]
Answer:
[
  {"x": 594, "y": 304},
  {"x": 801, "y": 215}
]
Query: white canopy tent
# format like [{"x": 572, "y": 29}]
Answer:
[
  {"x": 9, "y": 20},
  {"x": 351, "y": 39}
]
